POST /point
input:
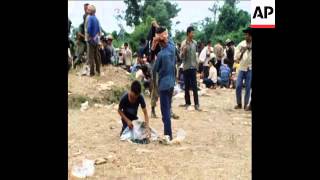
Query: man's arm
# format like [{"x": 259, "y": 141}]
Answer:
[
  {"x": 146, "y": 117},
  {"x": 124, "y": 117}
]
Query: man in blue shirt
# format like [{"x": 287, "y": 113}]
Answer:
[
  {"x": 165, "y": 67},
  {"x": 93, "y": 41}
]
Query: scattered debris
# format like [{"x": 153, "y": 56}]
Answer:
[
  {"x": 139, "y": 150},
  {"x": 84, "y": 169},
  {"x": 84, "y": 106},
  {"x": 100, "y": 161},
  {"x": 98, "y": 105},
  {"x": 77, "y": 153},
  {"x": 181, "y": 134},
  {"x": 106, "y": 86}
]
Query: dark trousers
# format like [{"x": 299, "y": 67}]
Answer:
[
  {"x": 217, "y": 66},
  {"x": 247, "y": 76},
  {"x": 190, "y": 82},
  {"x": 208, "y": 82},
  {"x": 94, "y": 58},
  {"x": 165, "y": 105}
]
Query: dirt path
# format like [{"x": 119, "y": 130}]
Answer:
[{"x": 217, "y": 143}]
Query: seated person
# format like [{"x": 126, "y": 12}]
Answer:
[
  {"x": 144, "y": 76},
  {"x": 223, "y": 80},
  {"x": 128, "y": 107},
  {"x": 211, "y": 81}
]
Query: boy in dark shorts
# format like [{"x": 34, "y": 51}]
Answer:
[{"x": 128, "y": 107}]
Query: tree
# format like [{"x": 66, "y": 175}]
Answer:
[
  {"x": 214, "y": 10},
  {"x": 162, "y": 10},
  {"x": 133, "y": 12},
  {"x": 231, "y": 3},
  {"x": 179, "y": 36}
]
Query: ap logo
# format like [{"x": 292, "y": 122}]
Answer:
[{"x": 263, "y": 14}]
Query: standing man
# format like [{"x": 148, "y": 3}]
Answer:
[
  {"x": 93, "y": 41},
  {"x": 190, "y": 64},
  {"x": 127, "y": 54},
  {"x": 229, "y": 60},
  {"x": 81, "y": 40},
  {"x": 152, "y": 50},
  {"x": 243, "y": 54},
  {"x": 165, "y": 67}
]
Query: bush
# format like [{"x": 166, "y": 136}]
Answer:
[{"x": 75, "y": 100}]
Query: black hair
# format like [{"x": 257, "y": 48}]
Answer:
[
  {"x": 212, "y": 61},
  {"x": 136, "y": 87},
  {"x": 142, "y": 41},
  {"x": 125, "y": 44},
  {"x": 209, "y": 42},
  {"x": 160, "y": 29},
  {"x": 189, "y": 29},
  {"x": 86, "y": 4}
]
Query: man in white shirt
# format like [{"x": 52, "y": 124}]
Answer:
[
  {"x": 243, "y": 53},
  {"x": 204, "y": 58},
  {"x": 127, "y": 55},
  {"x": 211, "y": 81}
]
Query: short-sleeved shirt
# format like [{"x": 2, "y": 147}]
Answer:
[{"x": 129, "y": 109}]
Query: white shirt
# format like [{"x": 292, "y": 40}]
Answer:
[
  {"x": 246, "y": 61},
  {"x": 213, "y": 74},
  {"x": 203, "y": 56},
  {"x": 139, "y": 75}
]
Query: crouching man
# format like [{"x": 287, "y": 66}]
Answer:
[{"x": 128, "y": 107}]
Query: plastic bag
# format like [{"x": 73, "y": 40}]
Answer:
[
  {"x": 84, "y": 106},
  {"x": 138, "y": 133},
  {"x": 86, "y": 168}
]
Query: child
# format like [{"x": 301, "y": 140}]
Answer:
[
  {"x": 128, "y": 107},
  {"x": 211, "y": 81}
]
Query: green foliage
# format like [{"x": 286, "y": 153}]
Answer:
[
  {"x": 179, "y": 36},
  {"x": 162, "y": 10},
  {"x": 133, "y": 10},
  {"x": 139, "y": 32},
  {"x": 230, "y": 23},
  {"x": 115, "y": 94},
  {"x": 75, "y": 100}
]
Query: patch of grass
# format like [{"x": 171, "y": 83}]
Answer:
[
  {"x": 75, "y": 100},
  {"x": 114, "y": 95}
]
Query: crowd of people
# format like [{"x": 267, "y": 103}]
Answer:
[{"x": 160, "y": 64}]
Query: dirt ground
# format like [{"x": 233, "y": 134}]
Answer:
[{"x": 217, "y": 143}]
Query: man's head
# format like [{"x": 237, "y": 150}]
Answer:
[
  {"x": 135, "y": 91},
  {"x": 162, "y": 33},
  {"x": 211, "y": 62},
  {"x": 91, "y": 9},
  {"x": 248, "y": 34},
  {"x": 229, "y": 42},
  {"x": 85, "y": 6},
  {"x": 178, "y": 45},
  {"x": 209, "y": 43},
  {"x": 190, "y": 30},
  {"x": 142, "y": 41},
  {"x": 125, "y": 45},
  {"x": 109, "y": 39}
]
